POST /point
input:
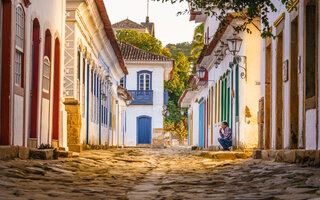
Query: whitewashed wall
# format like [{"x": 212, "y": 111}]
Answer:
[
  {"x": 310, "y": 119},
  {"x": 155, "y": 110},
  {"x": 51, "y": 16}
]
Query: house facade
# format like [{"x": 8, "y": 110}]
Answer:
[
  {"x": 290, "y": 79},
  {"x": 145, "y": 82},
  {"x": 31, "y": 72},
  {"x": 60, "y": 74},
  {"x": 229, "y": 89},
  {"x": 93, "y": 69}
]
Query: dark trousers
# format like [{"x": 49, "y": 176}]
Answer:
[{"x": 225, "y": 143}]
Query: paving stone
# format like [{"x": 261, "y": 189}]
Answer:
[{"x": 155, "y": 174}]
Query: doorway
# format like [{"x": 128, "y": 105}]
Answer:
[
  {"x": 34, "y": 93},
  {"x": 279, "y": 93},
  {"x": 268, "y": 95},
  {"x": 6, "y": 74},
  {"x": 144, "y": 130},
  {"x": 56, "y": 92},
  {"x": 294, "y": 94},
  {"x": 201, "y": 124}
]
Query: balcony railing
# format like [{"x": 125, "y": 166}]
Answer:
[{"x": 142, "y": 97}]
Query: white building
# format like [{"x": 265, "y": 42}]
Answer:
[
  {"x": 145, "y": 82},
  {"x": 93, "y": 69},
  {"x": 229, "y": 90},
  {"x": 60, "y": 70},
  {"x": 32, "y": 57},
  {"x": 290, "y": 78}
]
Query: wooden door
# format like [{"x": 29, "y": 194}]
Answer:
[{"x": 144, "y": 130}]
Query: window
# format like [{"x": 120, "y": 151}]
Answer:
[
  {"x": 144, "y": 80},
  {"x": 19, "y": 46},
  {"x": 46, "y": 75},
  {"x": 123, "y": 82}
]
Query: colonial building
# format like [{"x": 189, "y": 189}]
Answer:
[
  {"x": 290, "y": 79},
  {"x": 31, "y": 71},
  {"x": 60, "y": 73},
  {"x": 145, "y": 82},
  {"x": 93, "y": 69},
  {"x": 226, "y": 87},
  {"x": 127, "y": 24}
]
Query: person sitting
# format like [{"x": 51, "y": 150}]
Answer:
[{"x": 225, "y": 136}]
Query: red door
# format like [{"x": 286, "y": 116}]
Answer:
[
  {"x": 6, "y": 74},
  {"x": 35, "y": 79},
  {"x": 56, "y": 91}
]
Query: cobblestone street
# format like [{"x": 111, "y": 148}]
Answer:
[{"x": 155, "y": 174}]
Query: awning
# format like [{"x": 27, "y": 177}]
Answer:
[{"x": 187, "y": 97}]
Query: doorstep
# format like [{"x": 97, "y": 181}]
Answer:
[
  {"x": 223, "y": 155},
  {"x": 298, "y": 156}
]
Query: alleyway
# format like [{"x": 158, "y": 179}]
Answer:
[{"x": 155, "y": 174}]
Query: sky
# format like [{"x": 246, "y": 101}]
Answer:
[{"x": 169, "y": 28}]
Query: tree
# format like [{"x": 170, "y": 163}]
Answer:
[
  {"x": 248, "y": 9},
  {"x": 197, "y": 44},
  {"x": 184, "y": 47},
  {"x": 179, "y": 128},
  {"x": 179, "y": 82},
  {"x": 143, "y": 41}
]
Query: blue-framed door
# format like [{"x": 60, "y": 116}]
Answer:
[
  {"x": 201, "y": 124},
  {"x": 144, "y": 130}
]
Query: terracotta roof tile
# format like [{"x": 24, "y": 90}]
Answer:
[
  {"x": 127, "y": 24},
  {"x": 130, "y": 52}
]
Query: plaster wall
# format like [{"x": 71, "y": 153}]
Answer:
[
  {"x": 308, "y": 120},
  {"x": 155, "y": 110},
  {"x": 51, "y": 16}
]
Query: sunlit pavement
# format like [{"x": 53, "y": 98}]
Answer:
[{"x": 155, "y": 174}]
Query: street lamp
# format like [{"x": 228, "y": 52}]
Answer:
[
  {"x": 201, "y": 72},
  {"x": 128, "y": 101},
  {"x": 234, "y": 44},
  {"x": 181, "y": 112}
]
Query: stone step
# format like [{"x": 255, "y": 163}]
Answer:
[
  {"x": 299, "y": 156},
  {"x": 42, "y": 154},
  {"x": 63, "y": 154},
  {"x": 12, "y": 152},
  {"x": 223, "y": 155}
]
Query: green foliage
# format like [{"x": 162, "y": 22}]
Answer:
[
  {"x": 184, "y": 47},
  {"x": 197, "y": 44},
  {"x": 248, "y": 9},
  {"x": 143, "y": 41},
  {"x": 176, "y": 86}
]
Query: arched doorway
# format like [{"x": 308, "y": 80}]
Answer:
[
  {"x": 6, "y": 74},
  {"x": 144, "y": 133},
  {"x": 34, "y": 93},
  {"x": 56, "y": 94}
]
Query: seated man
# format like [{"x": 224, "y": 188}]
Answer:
[{"x": 226, "y": 136}]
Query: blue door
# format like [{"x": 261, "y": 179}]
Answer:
[
  {"x": 201, "y": 125},
  {"x": 144, "y": 130}
]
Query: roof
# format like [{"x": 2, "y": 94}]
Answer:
[
  {"x": 132, "y": 53},
  {"x": 128, "y": 24},
  {"x": 110, "y": 34},
  {"x": 207, "y": 50},
  {"x": 187, "y": 97},
  {"x": 149, "y": 26}
]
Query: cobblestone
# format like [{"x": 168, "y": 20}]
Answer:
[{"x": 155, "y": 174}]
